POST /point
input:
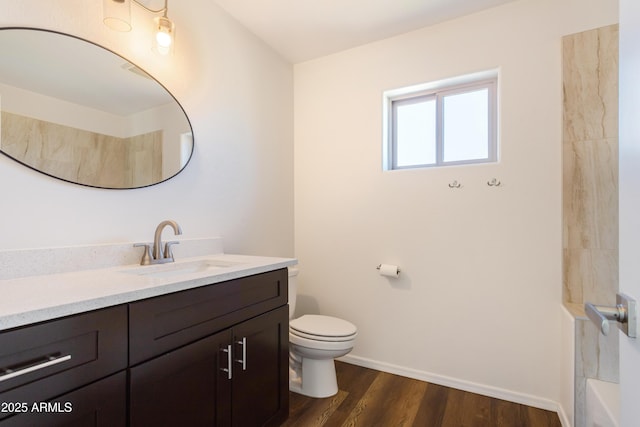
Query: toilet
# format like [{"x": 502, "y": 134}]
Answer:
[{"x": 314, "y": 341}]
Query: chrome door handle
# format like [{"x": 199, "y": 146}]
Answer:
[
  {"x": 624, "y": 313},
  {"x": 600, "y": 315},
  {"x": 243, "y": 361},
  {"x": 51, "y": 360},
  {"x": 229, "y": 367}
]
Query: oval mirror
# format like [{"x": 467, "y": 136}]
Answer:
[{"x": 76, "y": 111}]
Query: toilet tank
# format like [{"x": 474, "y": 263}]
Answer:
[{"x": 293, "y": 290}]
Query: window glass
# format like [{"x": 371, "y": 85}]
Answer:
[
  {"x": 416, "y": 133},
  {"x": 466, "y": 126}
]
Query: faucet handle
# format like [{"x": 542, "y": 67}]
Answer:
[
  {"x": 168, "y": 253},
  {"x": 146, "y": 256}
]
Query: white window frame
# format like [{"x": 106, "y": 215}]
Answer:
[{"x": 437, "y": 91}]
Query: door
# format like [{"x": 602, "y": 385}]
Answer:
[
  {"x": 181, "y": 388},
  {"x": 260, "y": 388},
  {"x": 629, "y": 180}
]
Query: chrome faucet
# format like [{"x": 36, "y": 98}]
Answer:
[{"x": 159, "y": 255}]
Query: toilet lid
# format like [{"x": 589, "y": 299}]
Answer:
[{"x": 323, "y": 326}]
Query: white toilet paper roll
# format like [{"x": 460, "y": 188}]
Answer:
[{"x": 389, "y": 270}]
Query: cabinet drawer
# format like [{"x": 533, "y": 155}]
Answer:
[
  {"x": 161, "y": 324},
  {"x": 103, "y": 403},
  {"x": 41, "y": 361}
]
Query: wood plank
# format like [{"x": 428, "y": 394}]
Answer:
[
  {"x": 356, "y": 380},
  {"x": 391, "y": 400},
  {"x": 540, "y": 417},
  {"x": 453, "y": 409},
  {"x": 433, "y": 405},
  {"x": 305, "y": 411},
  {"x": 508, "y": 414},
  {"x": 476, "y": 410}
]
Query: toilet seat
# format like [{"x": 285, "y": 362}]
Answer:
[
  {"x": 319, "y": 345},
  {"x": 321, "y": 337},
  {"x": 322, "y": 328}
]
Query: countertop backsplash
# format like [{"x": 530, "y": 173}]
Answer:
[{"x": 41, "y": 261}]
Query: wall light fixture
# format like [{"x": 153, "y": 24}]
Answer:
[{"x": 117, "y": 16}]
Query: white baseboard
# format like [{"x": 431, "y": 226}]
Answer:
[
  {"x": 564, "y": 420},
  {"x": 485, "y": 390}
]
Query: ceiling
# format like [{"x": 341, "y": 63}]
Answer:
[{"x": 301, "y": 30}]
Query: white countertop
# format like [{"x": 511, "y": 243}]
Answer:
[{"x": 34, "y": 299}]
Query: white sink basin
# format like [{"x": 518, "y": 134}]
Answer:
[{"x": 180, "y": 268}]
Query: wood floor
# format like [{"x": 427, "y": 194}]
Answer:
[{"x": 369, "y": 398}]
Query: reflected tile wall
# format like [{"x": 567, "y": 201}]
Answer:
[
  {"x": 81, "y": 156},
  {"x": 590, "y": 198}
]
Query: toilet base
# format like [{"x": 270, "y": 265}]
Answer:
[{"x": 318, "y": 378}]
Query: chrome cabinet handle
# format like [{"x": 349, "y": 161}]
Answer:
[
  {"x": 243, "y": 361},
  {"x": 51, "y": 360},
  {"x": 229, "y": 367}
]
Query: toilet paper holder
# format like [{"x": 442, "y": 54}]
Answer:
[{"x": 380, "y": 265}]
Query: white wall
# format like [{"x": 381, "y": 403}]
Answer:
[
  {"x": 478, "y": 302},
  {"x": 42, "y": 107},
  {"x": 238, "y": 96}
]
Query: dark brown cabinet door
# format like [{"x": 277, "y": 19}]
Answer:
[
  {"x": 260, "y": 389},
  {"x": 101, "y": 404},
  {"x": 182, "y": 388}
]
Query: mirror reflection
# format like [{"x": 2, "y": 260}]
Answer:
[{"x": 78, "y": 112}]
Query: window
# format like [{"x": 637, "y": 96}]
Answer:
[{"x": 450, "y": 124}]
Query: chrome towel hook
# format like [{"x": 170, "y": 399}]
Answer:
[
  {"x": 455, "y": 184},
  {"x": 494, "y": 183}
]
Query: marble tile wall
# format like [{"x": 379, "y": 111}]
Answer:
[
  {"x": 590, "y": 166},
  {"x": 81, "y": 156},
  {"x": 590, "y": 198},
  {"x": 596, "y": 356}
]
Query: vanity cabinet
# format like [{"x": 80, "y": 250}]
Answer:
[{"x": 215, "y": 355}]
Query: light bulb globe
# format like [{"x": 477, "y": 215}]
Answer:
[{"x": 163, "y": 39}]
